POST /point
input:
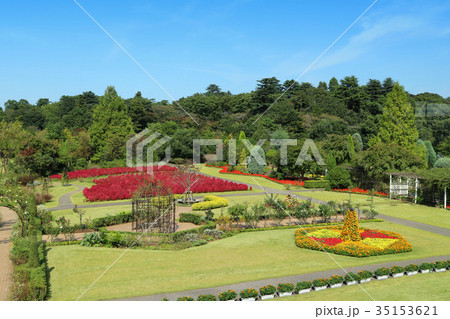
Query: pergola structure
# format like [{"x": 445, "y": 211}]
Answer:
[
  {"x": 401, "y": 184},
  {"x": 153, "y": 208},
  {"x": 406, "y": 184}
]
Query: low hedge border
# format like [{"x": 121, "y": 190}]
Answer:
[
  {"x": 190, "y": 218},
  {"x": 317, "y": 184},
  {"x": 308, "y": 285}
]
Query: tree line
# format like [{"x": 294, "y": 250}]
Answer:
[{"x": 370, "y": 128}]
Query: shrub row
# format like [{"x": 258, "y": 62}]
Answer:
[
  {"x": 190, "y": 218},
  {"x": 210, "y": 202},
  {"x": 120, "y": 218},
  {"x": 30, "y": 268},
  {"x": 306, "y": 286},
  {"x": 317, "y": 184},
  {"x": 179, "y": 235}
]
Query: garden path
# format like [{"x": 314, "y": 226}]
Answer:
[
  {"x": 6, "y": 267},
  {"x": 275, "y": 281}
]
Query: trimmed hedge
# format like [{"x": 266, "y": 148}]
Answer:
[
  {"x": 120, "y": 218},
  {"x": 317, "y": 184},
  {"x": 179, "y": 235},
  {"x": 210, "y": 202},
  {"x": 190, "y": 218}
]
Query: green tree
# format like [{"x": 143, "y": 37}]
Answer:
[
  {"x": 331, "y": 161},
  {"x": 397, "y": 124},
  {"x": 443, "y": 162},
  {"x": 111, "y": 125},
  {"x": 351, "y": 147},
  {"x": 333, "y": 85},
  {"x": 339, "y": 178},
  {"x": 431, "y": 154},
  {"x": 357, "y": 141},
  {"x": 12, "y": 137}
]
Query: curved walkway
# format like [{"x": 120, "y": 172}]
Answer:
[
  {"x": 275, "y": 281},
  {"x": 6, "y": 267}
]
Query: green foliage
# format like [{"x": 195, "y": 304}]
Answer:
[
  {"x": 357, "y": 141},
  {"x": 91, "y": 240},
  {"x": 324, "y": 183},
  {"x": 339, "y": 178},
  {"x": 236, "y": 211},
  {"x": 111, "y": 126},
  {"x": 120, "y": 218},
  {"x": 190, "y": 218},
  {"x": 206, "y": 298},
  {"x": 431, "y": 154},
  {"x": 350, "y": 147},
  {"x": 331, "y": 161},
  {"x": 443, "y": 162},
  {"x": 253, "y": 166},
  {"x": 397, "y": 124}
]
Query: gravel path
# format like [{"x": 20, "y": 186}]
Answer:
[{"x": 6, "y": 267}]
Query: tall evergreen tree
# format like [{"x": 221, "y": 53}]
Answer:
[
  {"x": 333, "y": 84},
  {"x": 111, "y": 125},
  {"x": 397, "y": 124}
]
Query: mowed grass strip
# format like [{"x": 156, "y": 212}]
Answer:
[
  {"x": 244, "y": 257},
  {"x": 418, "y": 213},
  {"x": 422, "y": 287}
]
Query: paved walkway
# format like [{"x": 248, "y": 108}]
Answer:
[
  {"x": 6, "y": 267},
  {"x": 275, "y": 281},
  {"x": 65, "y": 201}
]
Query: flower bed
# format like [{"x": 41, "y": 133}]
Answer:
[
  {"x": 359, "y": 191},
  {"x": 375, "y": 242},
  {"x": 123, "y": 186},
  {"x": 95, "y": 172},
  {"x": 225, "y": 170}
]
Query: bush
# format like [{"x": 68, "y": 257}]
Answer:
[
  {"x": 285, "y": 287},
  {"x": 214, "y": 233},
  {"x": 320, "y": 282},
  {"x": 339, "y": 178},
  {"x": 336, "y": 279},
  {"x": 443, "y": 162},
  {"x": 185, "y": 299},
  {"x": 41, "y": 198},
  {"x": 383, "y": 271},
  {"x": 120, "y": 218},
  {"x": 303, "y": 285},
  {"x": 200, "y": 242},
  {"x": 364, "y": 274},
  {"x": 190, "y": 218},
  {"x": 370, "y": 213},
  {"x": 267, "y": 290},
  {"x": 179, "y": 235},
  {"x": 426, "y": 266},
  {"x": 91, "y": 240},
  {"x": 228, "y": 295},
  {"x": 397, "y": 270},
  {"x": 206, "y": 298},
  {"x": 210, "y": 202},
  {"x": 440, "y": 264},
  {"x": 411, "y": 268},
  {"x": 351, "y": 277},
  {"x": 322, "y": 183},
  {"x": 236, "y": 211},
  {"x": 249, "y": 293}
]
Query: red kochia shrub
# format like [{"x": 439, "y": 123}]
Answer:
[
  {"x": 123, "y": 186},
  {"x": 94, "y": 172}
]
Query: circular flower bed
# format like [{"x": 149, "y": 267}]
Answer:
[{"x": 372, "y": 242}]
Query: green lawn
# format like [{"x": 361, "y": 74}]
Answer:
[
  {"x": 92, "y": 212},
  {"x": 57, "y": 191},
  {"x": 423, "y": 287},
  {"x": 213, "y": 171},
  {"x": 419, "y": 213},
  {"x": 244, "y": 257}
]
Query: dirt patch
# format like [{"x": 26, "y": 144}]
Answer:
[{"x": 6, "y": 267}]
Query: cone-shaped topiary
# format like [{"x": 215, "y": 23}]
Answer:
[{"x": 350, "y": 231}]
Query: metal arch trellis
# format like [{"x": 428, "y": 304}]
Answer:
[{"x": 153, "y": 207}]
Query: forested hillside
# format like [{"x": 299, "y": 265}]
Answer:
[{"x": 372, "y": 128}]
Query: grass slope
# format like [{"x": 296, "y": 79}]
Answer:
[
  {"x": 426, "y": 287},
  {"x": 244, "y": 257},
  {"x": 92, "y": 212}
]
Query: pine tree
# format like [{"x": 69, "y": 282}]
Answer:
[{"x": 397, "y": 124}]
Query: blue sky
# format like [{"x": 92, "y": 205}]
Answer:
[{"x": 52, "y": 48}]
